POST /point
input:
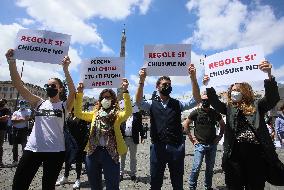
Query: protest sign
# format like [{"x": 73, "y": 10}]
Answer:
[
  {"x": 102, "y": 72},
  {"x": 41, "y": 46},
  {"x": 169, "y": 60},
  {"x": 238, "y": 65}
]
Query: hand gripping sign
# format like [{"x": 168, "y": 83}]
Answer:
[
  {"x": 168, "y": 60},
  {"x": 237, "y": 65},
  {"x": 41, "y": 46}
]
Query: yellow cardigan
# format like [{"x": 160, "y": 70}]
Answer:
[{"x": 91, "y": 116}]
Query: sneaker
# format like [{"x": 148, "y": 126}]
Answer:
[
  {"x": 62, "y": 181},
  {"x": 77, "y": 184},
  {"x": 133, "y": 178}
]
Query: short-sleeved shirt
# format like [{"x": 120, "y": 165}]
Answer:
[
  {"x": 21, "y": 114},
  {"x": 205, "y": 124},
  {"x": 47, "y": 134},
  {"x": 3, "y": 112}
]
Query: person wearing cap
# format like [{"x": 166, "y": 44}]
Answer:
[
  {"x": 20, "y": 120},
  {"x": 130, "y": 131},
  {"x": 4, "y": 117}
]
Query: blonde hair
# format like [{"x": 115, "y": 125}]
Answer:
[{"x": 247, "y": 102}]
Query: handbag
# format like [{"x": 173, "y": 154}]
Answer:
[{"x": 71, "y": 147}]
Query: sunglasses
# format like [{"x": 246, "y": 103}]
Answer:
[{"x": 50, "y": 85}]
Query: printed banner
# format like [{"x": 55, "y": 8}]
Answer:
[
  {"x": 238, "y": 65},
  {"x": 168, "y": 60},
  {"x": 102, "y": 72},
  {"x": 41, "y": 46}
]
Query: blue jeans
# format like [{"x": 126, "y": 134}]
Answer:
[
  {"x": 162, "y": 154},
  {"x": 201, "y": 150},
  {"x": 98, "y": 161}
]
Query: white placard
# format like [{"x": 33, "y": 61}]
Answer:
[
  {"x": 102, "y": 72},
  {"x": 235, "y": 66},
  {"x": 168, "y": 60},
  {"x": 41, "y": 46}
]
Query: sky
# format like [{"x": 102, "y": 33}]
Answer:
[{"x": 210, "y": 26}]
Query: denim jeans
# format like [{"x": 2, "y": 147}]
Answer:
[
  {"x": 98, "y": 161},
  {"x": 160, "y": 156},
  {"x": 201, "y": 150}
]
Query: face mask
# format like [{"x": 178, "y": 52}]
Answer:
[
  {"x": 205, "y": 103},
  {"x": 106, "y": 103},
  {"x": 51, "y": 92},
  {"x": 166, "y": 90},
  {"x": 236, "y": 96}
]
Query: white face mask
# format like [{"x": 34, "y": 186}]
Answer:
[
  {"x": 106, "y": 103},
  {"x": 236, "y": 96}
]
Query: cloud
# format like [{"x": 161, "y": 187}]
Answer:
[
  {"x": 73, "y": 17},
  {"x": 226, "y": 23},
  {"x": 26, "y": 21}
]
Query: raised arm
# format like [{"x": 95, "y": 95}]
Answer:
[
  {"x": 17, "y": 81},
  {"x": 71, "y": 88},
  {"x": 139, "y": 93},
  {"x": 213, "y": 98},
  {"x": 87, "y": 116},
  {"x": 194, "y": 83},
  {"x": 271, "y": 96},
  {"x": 123, "y": 115}
]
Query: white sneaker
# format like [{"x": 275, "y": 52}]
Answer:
[
  {"x": 62, "y": 181},
  {"x": 77, "y": 184}
]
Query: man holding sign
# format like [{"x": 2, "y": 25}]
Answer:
[{"x": 166, "y": 131}]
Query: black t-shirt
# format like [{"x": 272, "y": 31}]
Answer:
[
  {"x": 3, "y": 124},
  {"x": 205, "y": 124}
]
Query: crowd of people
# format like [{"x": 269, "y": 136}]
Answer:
[{"x": 105, "y": 134}]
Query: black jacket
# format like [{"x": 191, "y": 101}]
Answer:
[
  {"x": 265, "y": 104},
  {"x": 137, "y": 127}
]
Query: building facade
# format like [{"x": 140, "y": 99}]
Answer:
[{"x": 10, "y": 93}]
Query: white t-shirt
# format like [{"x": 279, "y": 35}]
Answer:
[
  {"x": 128, "y": 126},
  {"x": 47, "y": 134},
  {"x": 21, "y": 114}
]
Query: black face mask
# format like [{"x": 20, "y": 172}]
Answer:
[
  {"x": 166, "y": 90},
  {"x": 51, "y": 92},
  {"x": 205, "y": 103}
]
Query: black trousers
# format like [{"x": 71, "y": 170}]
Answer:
[
  {"x": 29, "y": 164},
  {"x": 245, "y": 168},
  {"x": 19, "y": 136}
]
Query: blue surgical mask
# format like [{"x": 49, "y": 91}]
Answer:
[{"x": 236, "y": 96}]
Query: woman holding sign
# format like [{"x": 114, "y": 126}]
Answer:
[
  {"x": 249, "y": 152},
  {"x": 45, "y": 145},
  {"x": 105, "y": 141}
]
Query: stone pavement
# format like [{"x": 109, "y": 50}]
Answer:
[{"x": 143, "y": 176}]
